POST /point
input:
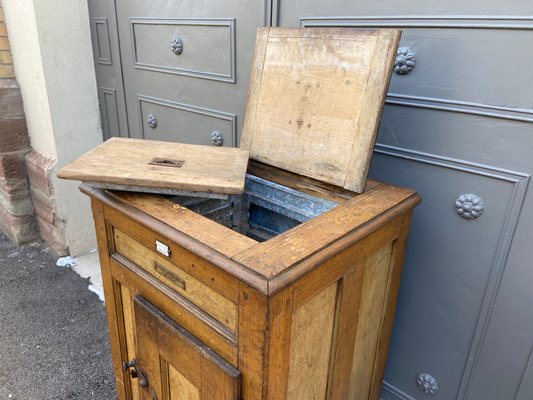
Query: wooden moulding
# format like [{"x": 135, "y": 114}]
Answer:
[
  {"x": 272, "y": 265},
  {"x": 288, "y": 256}
]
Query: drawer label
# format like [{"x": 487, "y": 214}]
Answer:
[
  {"x": 162, "y": 248},
  {"x": 171, "y": 276}
]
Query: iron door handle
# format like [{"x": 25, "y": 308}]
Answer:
[{"x": 135, "y": 372}]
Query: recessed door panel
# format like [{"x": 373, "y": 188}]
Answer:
[
  {"x": 175, "y": 363},
  {"x": 196, "y": 54},
  {"x": 108, "y": 68},
  {"x": 186, "y": 123},
  {"x": 452, "y": 265},
  {"x": 178, "y": 46}
]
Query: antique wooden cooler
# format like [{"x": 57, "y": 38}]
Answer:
[{"x": 284, "y": 287}]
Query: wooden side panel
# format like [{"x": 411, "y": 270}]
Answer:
[
  {"x": 398, "y": 254},
  {"x": 180, "y": 387},
  {"x": 253, "y": 311},
  {"x": 310, "y": 348},
  {"x": 113, "y": 322},
  {"x": 335, "y": 267},
  {"x": 376, "y": 279},
  {"x": 349, "y": 299},
  {"x": 280, "y": 323}
]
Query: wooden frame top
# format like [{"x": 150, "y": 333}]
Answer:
[
  {"x": 271, "y": 265},
  {"x": 315, "y": 100}
]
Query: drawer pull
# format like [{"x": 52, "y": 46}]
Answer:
[
  {"x": 171, "y": 276},
  {"x": 176, "y": 45},
  {"x": 405, "y": 61},
  {"x": 162, "y": 248},
  {"x": 217, "y": 138}
]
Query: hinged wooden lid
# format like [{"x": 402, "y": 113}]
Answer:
[
  {"x": 315, "y": 100},
  {"x": 161, "y": 167}
]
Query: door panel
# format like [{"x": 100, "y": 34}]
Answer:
[
  {"x": 459, "y": 122},
  {"x": 180, "y": 387},
  {"x": 173, "y": 360},
  {"x": 194, "y": 47},
  {"x": 456, "y": 64},
  {"x": 108, "y": 68},
  {"x": 288, "y": 12},
  {"x": 191, "y": 124},
  {"x": 207, "y": 74},
  {"x": 444, "y": 297}
]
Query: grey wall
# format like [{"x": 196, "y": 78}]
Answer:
[{"x": 460, "y": 122}]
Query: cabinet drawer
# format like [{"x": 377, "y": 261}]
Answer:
[{"x": 198, "y": 293}]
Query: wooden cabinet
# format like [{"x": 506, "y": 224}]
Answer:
[
  {"x": 251, "y": 300},
  {"x": 285, "y": 291}
]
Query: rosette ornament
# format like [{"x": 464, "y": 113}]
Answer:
[
  {"x": 469, "y": 206},
  {"x": 427, "y": 383},
  {"x": 405, "y": 61}
]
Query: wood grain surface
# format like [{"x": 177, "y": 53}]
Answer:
[
  {"x": 121, "y": 161},
  {"x": 216, "y": 305},
  {"x": 310, "y": 346},
  {"x": 315, "y": 98}
]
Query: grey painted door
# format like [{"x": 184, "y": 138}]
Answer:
[
  {"x": 460, "y": 122},
  {"x": 108, "y": 68},
  {"x": 183, "y": 79}
]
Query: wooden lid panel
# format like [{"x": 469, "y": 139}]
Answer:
[
  {"x": 149, "y": 164},
  {"x": 315, "y": 100}
]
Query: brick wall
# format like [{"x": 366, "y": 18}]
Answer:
[
  {"x": 6, "y": 63},
  {"x": 51, "y": 228},
  {"x": 16, "y": 210}
]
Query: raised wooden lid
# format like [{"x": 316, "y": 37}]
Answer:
[
  {"x": 161, "y": 167},
  {"x": 315, "y": 100}
]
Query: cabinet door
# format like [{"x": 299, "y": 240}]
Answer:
[{"x": 177, "y": 366}]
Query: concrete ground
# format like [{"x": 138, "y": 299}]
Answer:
[{"x": 53, "y": 333}]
